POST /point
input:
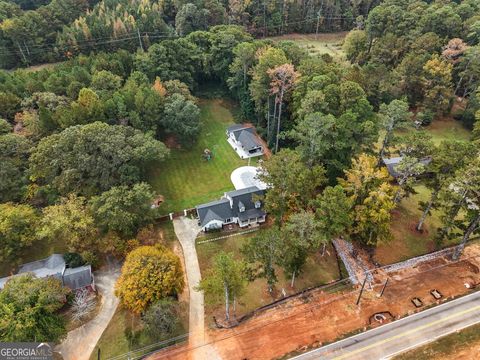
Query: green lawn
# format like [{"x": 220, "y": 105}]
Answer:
[
  {"x": 125, "y": 333},
  {"x": 328, "y": 43},
  {"x": 447, "y": 347},
  {"x": 447, "y": 129},
  {"x": 319, "y": 270},
  {"x": 185, "y": 179},
  {"x": 407, "y": 242}
]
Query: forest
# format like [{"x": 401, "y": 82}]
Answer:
[
  {"x": 32, "y": 34},
  {"x": 78, "y": 137}
]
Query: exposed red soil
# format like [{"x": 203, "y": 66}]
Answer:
[{"x": 298, "y": 325}]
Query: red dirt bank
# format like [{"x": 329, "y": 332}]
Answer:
[{"x": 322, "y": 318}]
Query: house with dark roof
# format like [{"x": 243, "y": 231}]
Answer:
[
  {"x": 74, "y": 278},
  {"x": 244, "y": 141},
  {"x": 392, "y": 163},
  {"x": 243, "y": 207}
]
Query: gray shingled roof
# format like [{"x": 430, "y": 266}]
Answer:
[
  {"x": 54, "y": 265},
  {"x": 77, "y": 278},
  {"x": 244, "y": 197},
  {"x": 51, "y": 266},
  {"x": 251, "y": 214},
  {"x": 392, "y": 163},
  {"x": 236, "y": 127},
  {"x": 215, "y": 210},
  {"x": 246, "y": 136}
]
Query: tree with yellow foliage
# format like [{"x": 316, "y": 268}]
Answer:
[
  {"x": 438, "y": 84},
  {"x": 372, "y": 196},
  {"x": 149, "y": 274}
]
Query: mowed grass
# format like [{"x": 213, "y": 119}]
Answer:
[
  {"x": 407, "y": 242},
  {"x": 125, "y": 332},
  {"x": 464, "y": 344},
  {"x": 327, "y": 43},
  {"x": 447, "y": 129},
  {"x": 185, "y": 179},
  {"x": 319, "y": 270}
]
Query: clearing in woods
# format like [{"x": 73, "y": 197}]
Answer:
[
  {"x": 326, "y": 43},
  {"x": 185, "y": 179}
]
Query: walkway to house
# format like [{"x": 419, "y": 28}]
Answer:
[
  {"x": 187, "y": 230},
  {"x": 80, "y": 342}
]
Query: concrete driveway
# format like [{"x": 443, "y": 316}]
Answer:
[
  {"x": 187, "y": 230},
  {"x": 80, "y": 342}
]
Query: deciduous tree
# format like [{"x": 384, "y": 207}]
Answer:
[
  {"x": 18, "y": 227},
  {"x": 123, "y": 209},
  {"x": 149, "y": 274},
  {"x": 28, "y": 309},
  {"x": 225, "y": 281}
]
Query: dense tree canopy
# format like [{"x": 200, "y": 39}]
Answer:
[
  {"x": 18, "y": 225},
  {"x": 90, "y": 158},
  {"x": 28, "y": 309}
]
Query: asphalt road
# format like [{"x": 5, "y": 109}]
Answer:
[{"x": 401, "y": 335}]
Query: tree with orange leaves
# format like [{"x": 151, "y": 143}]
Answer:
[{"x": 283, "y": 79}]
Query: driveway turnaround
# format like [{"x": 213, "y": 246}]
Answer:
[
  {"x": 187, "y": 230},
  {"x": 402, "y": 335},
  {"x": 80, "y": 342}
]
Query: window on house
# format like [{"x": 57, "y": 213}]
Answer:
[{"x": 258, "y": 204}]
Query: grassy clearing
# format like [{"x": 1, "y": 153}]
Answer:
[
  {"x": 318, "y": 270},
  {"x": 459, "y": 345},
  {"x": 185, "y": 179},
  {"x": 328, "y": 43},
  {"x": 407, "y": 242},
  {"x": 125, "y": 333},
  {"x": 447, "y": 129}
]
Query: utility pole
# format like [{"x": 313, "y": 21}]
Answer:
[
  {"x": 361, "y": 291},
  {"x": 383, "y": 288},
  {"x": 264, "y": 18},
  {"x": 21, "y": 52},
  {"x": 319, "y": 14},
  {"x": 140, "y": 39}
]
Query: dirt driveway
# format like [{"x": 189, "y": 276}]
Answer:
[{"x": 80, "y": 342}]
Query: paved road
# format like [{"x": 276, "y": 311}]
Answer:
[
  {"x": 412, "y": 331},
  {"x": 81, "y": 341},
  {"x": 187, "y": 231}
]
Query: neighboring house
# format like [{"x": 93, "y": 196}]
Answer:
[
  {"x": 243, "y": 207},
  {"x": 244, "y": 141},
  {"x": 392, "y": 163},
  {"x": 74, "y": 278}
]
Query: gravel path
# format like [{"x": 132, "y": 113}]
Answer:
[
  {"x": 187, "y": 231},
  {"x": 80, "y": 342}
]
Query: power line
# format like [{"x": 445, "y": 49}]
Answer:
[
  {"x": 308, "y": 309},
  {"x": 127, "y": 36}
]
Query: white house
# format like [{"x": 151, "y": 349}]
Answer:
[
  {"x": 243, "y": 207},
  {"x": 244, "y": 141}
]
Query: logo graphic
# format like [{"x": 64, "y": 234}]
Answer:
[{"x": 26, "y": 351}]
